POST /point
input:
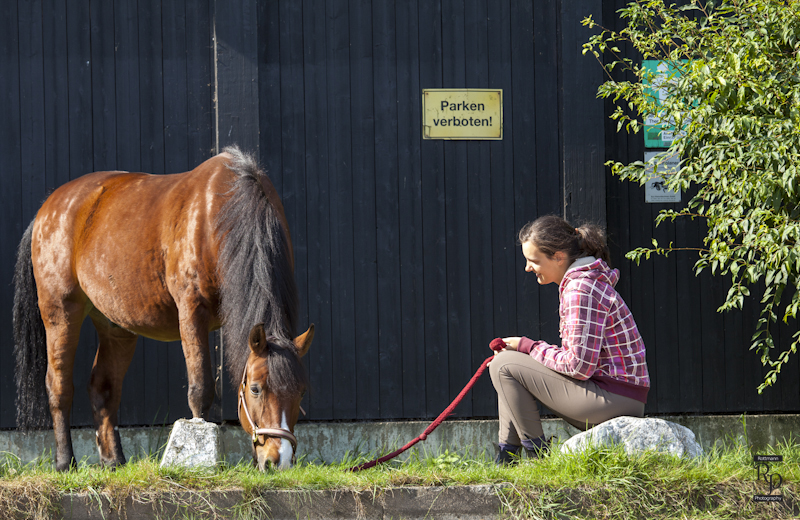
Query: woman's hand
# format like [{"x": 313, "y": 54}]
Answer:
[{"x": 512, "y": 343}]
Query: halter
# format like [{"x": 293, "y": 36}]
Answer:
[{"x": 267, "y": 432}]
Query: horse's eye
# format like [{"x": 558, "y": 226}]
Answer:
[{"x": 255, "y": 389}]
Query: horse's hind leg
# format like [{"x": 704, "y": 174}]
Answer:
[
  {"x": 114, "y": 354},
  {"x": 63, "y": 327}
]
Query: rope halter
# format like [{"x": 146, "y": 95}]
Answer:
[{"x": 280, "y": 433}]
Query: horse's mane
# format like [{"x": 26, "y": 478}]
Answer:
[{"x": 256, "y": 278}]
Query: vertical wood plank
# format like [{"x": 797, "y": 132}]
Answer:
[
  {"x": 31, "y": 101},
  {"x": 479, "y": 200},
  {"x": 151, "y": 86},
  {"x": 504, "y": 249},
  {"x": 581, "y": 121},
  {"x": 56, "y": 94},
  {"x": 433, "y": 220},
  {"x": 546, "y": 175},
  {"x": 104, "y": 105},
  {"x": 753, "y": 375},
  {"x": 200, "y": 82},
  {"x": 789, "y": 398},
  {"x": 689, "y": 345},
  {"x": 11, "y": 214},
  {"x": 409, "y": 124},
  {"x": 365, "y": 250},
  {"x": 668, "y": 361},
  {"x": 176, "y": 110},
  {"x": 713, "y": 340},
  {"x": 343, "y": 342},
  {"x": 126, "y": 59},
  {"x": 236, "y": 53},
  {"x": 735, "y": 358},
  {"x": 459, "y": 322},
  {"x": 318, "y": 206},
  {"x": 269, "y": 90},
  {"x": 292, "y": 152},
  {"x": 642, "y": 297},
  {"x": 387, "y": 209},
  {"x": 526, "y": 207}
]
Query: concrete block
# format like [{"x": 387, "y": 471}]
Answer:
[{"x": 193, "y": 443}]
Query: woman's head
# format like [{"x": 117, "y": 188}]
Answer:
[{"x": 552, "y": 234}]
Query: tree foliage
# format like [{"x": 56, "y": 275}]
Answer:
[{"x": 736, "y": 96}]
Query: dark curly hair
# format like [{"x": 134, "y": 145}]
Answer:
[{"x": 552, "y": 233}]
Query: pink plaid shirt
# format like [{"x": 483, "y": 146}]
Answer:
[{"x": 599, "y": 339}]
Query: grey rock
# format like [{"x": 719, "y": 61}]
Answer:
[
  {"x": 193, "y": 443},
  {"x": 637, "y": 434}
]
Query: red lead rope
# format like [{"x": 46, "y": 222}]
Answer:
[{"x": 497, "y": 344}]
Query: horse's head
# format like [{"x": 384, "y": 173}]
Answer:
[{"x": 272, "y": 386}]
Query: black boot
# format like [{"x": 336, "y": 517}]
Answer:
[
  {"x": 536, "y": 448},
  {"x": 506, "y": 455}
]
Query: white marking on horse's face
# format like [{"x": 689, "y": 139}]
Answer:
[{"x": 285, "y": 451}]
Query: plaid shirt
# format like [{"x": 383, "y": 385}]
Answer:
[{"x": 599, "y": 338}]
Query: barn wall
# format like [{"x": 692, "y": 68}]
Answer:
[{"x": 406, "y": 249}]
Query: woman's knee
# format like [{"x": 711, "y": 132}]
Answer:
[{"x": 499, "y": 361}]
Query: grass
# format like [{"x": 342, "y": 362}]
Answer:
[{"x": 600, "y": 483}]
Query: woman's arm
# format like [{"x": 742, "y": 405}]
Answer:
[{"x": 582, "y": 331}]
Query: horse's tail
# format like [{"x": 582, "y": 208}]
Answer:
[{"x": 30, "y": 345}]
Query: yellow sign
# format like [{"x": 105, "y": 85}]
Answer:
[{"x": 462, "y": 113}]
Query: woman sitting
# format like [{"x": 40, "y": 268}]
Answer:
[{"x": 598, "y": 372}]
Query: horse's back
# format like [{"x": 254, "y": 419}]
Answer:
[{"x": 132, "y": 245}]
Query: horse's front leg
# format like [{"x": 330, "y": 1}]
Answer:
[
  {"x": 114, "y": 354},
  {"x": 194, "y": 339}
]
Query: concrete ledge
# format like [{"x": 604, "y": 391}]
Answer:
[
  {"x": 334, "y": 442},
  {"x": 442, "y": 503}
]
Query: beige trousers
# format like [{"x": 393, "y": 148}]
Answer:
[{"x": 522, "y": 382}]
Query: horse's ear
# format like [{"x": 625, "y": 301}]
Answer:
[
  {"x": 303, "y": 341},
  {"x": 258, "y": 339}
]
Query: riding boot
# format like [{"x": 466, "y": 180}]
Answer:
[
  {"x": 506, "y": 455},
  {"x": 536, "y": 448}
]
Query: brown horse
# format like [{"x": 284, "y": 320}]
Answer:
[{"x": 167, "y": 257}]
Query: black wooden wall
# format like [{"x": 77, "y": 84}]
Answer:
[{"x": 405, "y": 248}]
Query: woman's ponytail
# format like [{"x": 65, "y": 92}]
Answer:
[{"x": 592, "y": 242}]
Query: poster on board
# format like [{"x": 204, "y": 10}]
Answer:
[
  {"x": 659, "y": 129},
  {"x": 655, "y": 190}
]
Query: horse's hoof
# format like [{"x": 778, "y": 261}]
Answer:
[
  {"x": 71, "y": 465},
  {"x": 111, "y": 465}
]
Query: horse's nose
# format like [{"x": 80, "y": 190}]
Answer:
[{"x": 265, "y": 462}]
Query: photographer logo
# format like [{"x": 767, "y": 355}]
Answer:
[{"x": 773, "y": 480}]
